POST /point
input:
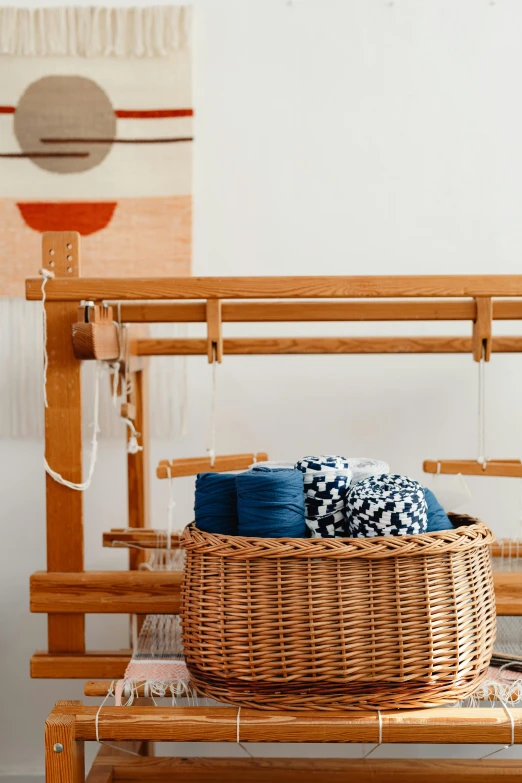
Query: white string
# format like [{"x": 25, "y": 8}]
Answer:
[
  {"x": 46, "y": 275},
  {"x": 512, "y": 721},
  {"x": 133, "y": 446},
  {"x": 238, "y": 740},
  {"x": 81, "y": 487},
  {"x": 380, "y": 737},
  {"x": 110, "y": 693},
  {"x": 481, "y": 457},
  {"x": 212, "y": 450}
]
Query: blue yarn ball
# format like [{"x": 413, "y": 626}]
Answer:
[
  {"x": 437, "y": 517},
  {"x": 215, "y": 505},
  {"x": 270, "y": 503}
]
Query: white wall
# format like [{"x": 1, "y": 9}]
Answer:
[{"x": 332, "y": 137}]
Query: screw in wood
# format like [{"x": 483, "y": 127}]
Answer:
[{"x": 57, "y": 747}]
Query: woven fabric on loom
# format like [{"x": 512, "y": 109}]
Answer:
[{"x": 157, "y": 663}]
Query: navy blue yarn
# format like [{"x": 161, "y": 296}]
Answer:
[
  {"x": 270, "y": 503},
  {"x": 437, "y": 517},
  {"x": 215, "y": 505}
]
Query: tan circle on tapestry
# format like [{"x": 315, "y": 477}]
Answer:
[{"x": 58, "y": 116}]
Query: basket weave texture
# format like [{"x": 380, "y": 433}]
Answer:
[{"x": 383, "y": 623}]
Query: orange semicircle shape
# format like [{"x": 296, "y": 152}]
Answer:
[{"x": 86, "y": 217}]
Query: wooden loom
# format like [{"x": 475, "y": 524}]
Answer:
[{"x": 66, "y": 592}]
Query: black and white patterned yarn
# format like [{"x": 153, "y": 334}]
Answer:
[
  {"x": 364, "y": 467},
  {"x": 386, "y": 505},
  {"x": 326, "y": 484}
]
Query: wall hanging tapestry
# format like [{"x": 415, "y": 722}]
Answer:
[{"x": 96, "y": 137}]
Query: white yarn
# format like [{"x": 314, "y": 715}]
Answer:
[
  {"x": 380, "y": 737},
  {"x": 363, "y": 467},
  {"x": 481, "y": 446},
  {"x": 46, "y": 275},
  {"x": 82, "y": 486},
  {"x": 512, "y": 721},
  {"x": 212, "y": 448},
  {"x": 150, "y": 31}
]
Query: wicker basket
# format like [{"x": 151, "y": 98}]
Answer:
[{"x": 339, "y": 623}]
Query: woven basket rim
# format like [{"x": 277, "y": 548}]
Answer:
[{"x": 468, "y": 536}]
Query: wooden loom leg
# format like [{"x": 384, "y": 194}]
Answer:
[
  {"x": 64, "y": 755},
  {"x": 63, "y": 438},
  {"x": 138, "y": 465}
]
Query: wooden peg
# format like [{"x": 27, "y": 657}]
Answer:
[
  {"x": 214, "y": 331},
  {"x": 95, "y": 335},
  {"x": 482, "y": 336}
]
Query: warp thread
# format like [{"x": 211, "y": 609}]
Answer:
[
  {"x": 215, "y": 506},
  {"x": 270, "y": 503},
  {"x": 387, "y": 505},
  {"x": 326, "y": 482}
]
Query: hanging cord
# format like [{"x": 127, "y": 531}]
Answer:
[
  {"x": 512, "y": 721},
  {"x": 46, "y": 275},
  {"x": 82, "y": 486},
  {"x": 366, "y": 755},
  {"x": 481, "y": 457},
  {"x": 110, "y": 693},
  {"x": 212, "y": 449},
  {"x": 238, "y": 739}
]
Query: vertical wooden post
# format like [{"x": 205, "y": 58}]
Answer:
[
  {"x": 214, "y": 331},
  {"x": 138, "y": 464},
  {"x": 63, "y": 438},
  {"x": 64, "y": 755},
  {"x": 482, "y": 329}
]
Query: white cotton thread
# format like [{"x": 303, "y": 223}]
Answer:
[
  {"x": 512, "y": 721},
  {"x": 481, "y": 445},
  {"x": 46, "y": 275},
  {"x": 82, "y": 486},
  {"x": 380, "y": 737},
  {"x": 110, "y": 693},
  {"x": 238, "y": 739},
  {"x": 212, "y": 449}
]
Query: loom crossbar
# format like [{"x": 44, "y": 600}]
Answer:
[{"x": 328, "y": 287}]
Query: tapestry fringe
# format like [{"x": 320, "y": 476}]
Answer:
[
  {"x": 95, "y": 31},
  {"x": 21, "y": 380}
]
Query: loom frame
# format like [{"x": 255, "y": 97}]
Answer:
[{"x": 66, "y": 592}]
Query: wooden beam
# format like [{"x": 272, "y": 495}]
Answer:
[
  {"x": 106, "y": 592},
  {"x": 508, "y": 592},
  {"x": 194, "y": 465},
  {"x": 93, "y": 664},
  {"x": 332, "y": 287},
  {"x": 243, "y": 312},
  {"x": 64, "y": 506},
  {"x": 276, "y": 770},
  {"x": 150, "y": 538},
  {"x": 507, "y": 547},
  {"x": 470, "y": 467},
  {"x": 455, "y": 725},
  {"x": 193, "y": 346}
]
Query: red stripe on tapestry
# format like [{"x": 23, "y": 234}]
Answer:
[{"x": 145, "y": 114}]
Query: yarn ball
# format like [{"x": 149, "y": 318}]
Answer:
[
  {"x": 326, "y": 481},
  {"x": 215, "y": 505},
  {"x": 270, "y": 503},
  {"x": 437, "y": 517},
  {"x": 386, "y": 505},
  {"x": 364, "y": 467}
]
